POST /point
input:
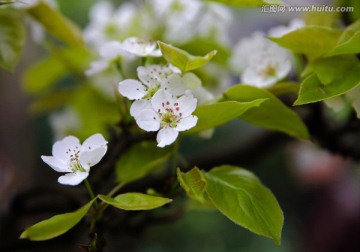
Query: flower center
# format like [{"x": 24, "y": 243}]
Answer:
[
  {"x": 75, "y": 165},
  {"x": 151, "y": 91},
  {"x": 170, "y": 117}
]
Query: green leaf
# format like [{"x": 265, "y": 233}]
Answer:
[
  {"x": 327, "y": 78},
  {"x": 307, "y": 40},
  {"x": 182, "y": 59},
  {"x": 42, "y": 75},
  {"x": 245, "y": 3},
  {"x": 213, "y": 115},
  {"x": 272, "y": 114},
  {"x": 135, "y": 201},
  {"x": 284, "y": 88},
  {"x": 12, "y": 38},
  {"x": 241, "y": 197},
  {"x": 139, "y": 160},
  {"x": 56, "y": 24},
  {"x": 349, "y": 41},
  {"x": 56, "y": 225},
  {"x": 194, "y": 184},
  {"x": 202, "y": 46},
  {"x": 49, "y": 71}
]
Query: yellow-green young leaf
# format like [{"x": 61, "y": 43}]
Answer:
[
  {"x": 307, "y": 40},
  {"x": 284, "y": 88},
  {"x": 194, "y": 184},
  {"x": 202, "y": 46},
  {"x": 135, "y": 201},
  {"x": 182, "y": 59},
  {"x": 327, "y": 78},
  {"x": 56, "y": 24},
  {"x": 140, "y": 160},
  {"x": 349, "y": 41},
  {"x": 49, "y": 71},
  {"x": 246, "y": 3},
  {"x": 12, "y": 37},
  {"x": 56, "y": 225},
  {"x": 213, "y": 115},
  {"x": 241, "y": 197},
  {"x": 272, "y": 114},
  {"x": 42, "y": 75}
]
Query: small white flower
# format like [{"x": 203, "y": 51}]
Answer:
[
  {"x": 152, "y": 78},
  {"x": 64, "y": 121},
  {"x": 69, "y": 156},
  {"x": 281, "y": 30},
  {"x": 169, "y": 115},
  {"x": 261, "y": 62},
  {"x": 140, "y": 48}
]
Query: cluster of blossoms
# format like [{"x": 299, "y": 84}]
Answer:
[
  {"x": 260, "y": 61},
  {"x": 75, "y": 159},
  {"x": 158, "y": 19},
  {"x": 162, "y": 101}
]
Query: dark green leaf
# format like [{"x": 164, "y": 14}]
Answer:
[
  {"x": 135, "y": 201},
  {"x": 12, "y": 37},
  {"x": 183, "y": 60},
  {"x": 272, "y": 114},
  {"x": 214, "y": 115},
  {"x": 313, "y": 41},
  {"x": 56, "y": 225},
  {"x": 240, "y": 196},
  {"x": 131, "y": 167},
  {"x": 56, "y": 24},
  {"x": 327, "y": 78}
]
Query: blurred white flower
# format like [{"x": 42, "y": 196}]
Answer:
[
  {"x": 74, "y": 159},
  {"x": 106, "y": 24},
  {"x": 354, "y": 97},
  {"x": 281, "y": 30},
  {"x": 169, "y": 115},
  {"x": 64, "y": 121},
  {"x": 141, "y": 48},
  {"x": 260, "y": 62}
]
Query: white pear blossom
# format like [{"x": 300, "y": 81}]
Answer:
[
  {"x": 64, "y": 121},
  {"x": 130, "y": 48},
  {"x": 107, "y": 24},
  {"x": 152, "y": 78},
  {"x": 261, "y": 62},
  {"x": 74, "y": 159},
  {"x": 282, "y": 30},
  {"x": 168, "y": 115},
  {"x": 141, "y": 48}
]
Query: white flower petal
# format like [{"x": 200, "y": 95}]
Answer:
[
  {"x": 148, "y": 120},
  {"x": 191, "y": 81},
  {"x": 161, "y": 98},
  {"x": 97, "y": 67},
  {"x": 139, "y": 47},
  {"x": 56, "y": 164},
  {"x": 63, "y": 149},
  {"x": 132, "y": 89},
  {"x": 156, "y": 53},
  {"x": 138, "y": 106},
  {"x": 174, "y": 85},
  {"x": 186, "y": 123},
  {"x": 111, "y": 50},
  {"x": 91, "y": 158},
  {"x": 73, "y": 178},
  {"x": 147, "y": 76},
  {"x": 166, "y": 136},
  {"x": 93, "y": 142},
  {"x": 187, "y": 105}
]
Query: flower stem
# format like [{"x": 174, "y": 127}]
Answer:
[{"x": 88, "y": 187}]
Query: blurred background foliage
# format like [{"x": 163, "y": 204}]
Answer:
[{"x": 318, "y": 191}]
